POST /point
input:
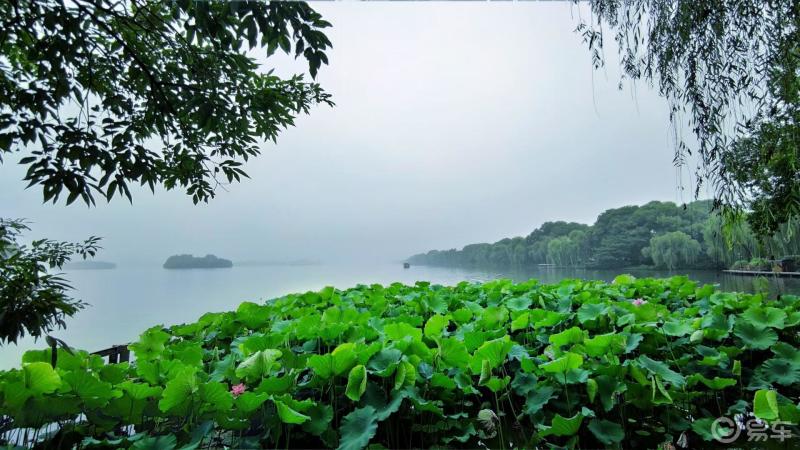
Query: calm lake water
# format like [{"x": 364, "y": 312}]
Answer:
[{"x": 126, "y": 300}]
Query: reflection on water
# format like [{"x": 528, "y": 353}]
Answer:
[
  {"x": 127, "y": 300},
  {"x": 726, "y": 282}
]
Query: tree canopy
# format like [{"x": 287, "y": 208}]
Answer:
[
  {"x": 99, "y": 94},
  {"x": 662, "y": 234},
  {"x": 730, "y": 72}
]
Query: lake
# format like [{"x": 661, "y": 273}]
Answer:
[{"x": 126, "y": 300}]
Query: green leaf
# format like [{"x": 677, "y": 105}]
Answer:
[
  {"x": 177, "y": 391},
  {"x": 537, "y": 398},
  {"x": 494, "y": 351},
  {"x": 320, "y": 416},
  {"x": 753, "y": 336},
  {"x": 250, "y": 401},
  {"x": 591, "y": 311},
  {"x": 781, "y": 371},
  {"x": 167, "y": 442},
  {"x": 591, "y": 389},
  {"x": 358, "y": 428},
  {"x": 384, "y": 362},
  {"x": 520, "y": 323},
  {"x": 40, "y": 378},
  {"x": 289, "y": 415},
  {"x": 356, "y": 383},
  {"x": 519, "y": 303},
  {"x": 563, "y": 364},
  {"x": 435, "y": 325},
  {"x": 563, "y": 426},
  {"x": 607, "y": 432},
  {"x": 569, "y": 336},
  {"x": 762, "y": 317},
  {"x": 216, "y": 396},
  {"x": 259, "y": 365},
  {"x": 765, "y": 405},
  {"x": 662, "y": 370},
  {"x": 92, "y": 392},
  {"x": 677, "y": 328},
  {"x": 454, "y": 353},
  {"x": 400, "y": 330}
]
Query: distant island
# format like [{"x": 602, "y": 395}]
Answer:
[
  {"x": 192, "y": 262},
  {"x": 90, "y": 265}
]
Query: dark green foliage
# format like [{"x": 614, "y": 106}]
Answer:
[
  {"x": 580, "y": 364},
  {"x": 624, "y": 237},
  {"x": 730, "y": 72},
  {"x": 192, "y": 262},
  {"x": 33, "y": 300},
  {"x": 101, "y": 94}
]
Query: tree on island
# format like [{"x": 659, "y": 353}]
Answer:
[
  {"x": 98, "y": 95},
  {"x": 192, "y": 262}
]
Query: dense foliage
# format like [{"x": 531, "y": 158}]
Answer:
[
  {"x": 730, "y": 72},
  {"x": 630, "y": 236},
  {"x": 33, "y": 300},
  {"x": 198, "y": 262},
  {"x": 99, "y": 94},
  {"x": 638, "y": 363}
]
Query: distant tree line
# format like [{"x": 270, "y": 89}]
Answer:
[{"x": 659, "y": 234}]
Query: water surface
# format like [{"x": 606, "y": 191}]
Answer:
[{"x": 126, "y": 300}]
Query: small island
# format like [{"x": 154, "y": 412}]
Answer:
[{"x": 192, "y": 262}]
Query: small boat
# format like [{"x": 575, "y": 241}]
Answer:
[{"x": 406, "y": 265}]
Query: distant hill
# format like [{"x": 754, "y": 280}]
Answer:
[
  {"x": 90, "y": 265},
  {"x": 192, "y": 262}
]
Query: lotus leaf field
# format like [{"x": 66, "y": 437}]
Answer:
[{"x": 637, "y": 363}]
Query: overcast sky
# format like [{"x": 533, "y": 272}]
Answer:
[{"x": 454, "y": 123}]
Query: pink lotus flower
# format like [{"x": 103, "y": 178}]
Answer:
[
  {"x": 639, "y": 302},
  {"x": 238, "y": 389}
]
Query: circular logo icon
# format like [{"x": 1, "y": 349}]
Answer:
[{"x": 724, "y": 430}]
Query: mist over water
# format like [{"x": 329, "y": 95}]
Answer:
[{"x": 131, "y": 298}]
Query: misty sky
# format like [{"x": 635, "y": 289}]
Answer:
[{"x": 454, "y": 123}]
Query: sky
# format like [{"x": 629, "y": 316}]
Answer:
[{"x": 454, "y": 123}]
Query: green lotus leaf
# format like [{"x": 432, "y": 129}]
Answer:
[
  {"x": 519, "y": 303},
  {"x": 755, "y": 337},
  {"x": 435, "y": 325},
  {"x": 289, "y": 415},
  {"x": 781, "y": 371},
  {"x": 250, "y": 401},
  {"x": 563, "y": 426},
  {"x": 563, "y": 364},
  {"x": 216, "y": 396},
  {"x": 493, "y": 317},
  {"x": 93, "y": 392},
  {"x": 521, "y": 322},
  {"x": 537, "y": 398},
  {"x": 677, "y": 328},
  {"x": 260, "y": 364},
  {"x": 765, "y": 405},
  {"x": 662, "y": 370},
  {"x": 177, "y": 391},
  {"x": 356, "y": 383},
  {"x": 320, "y": 417},
  {"x": 40, "y": 378},
  {"x": 400, "y": 330},
  {"x": 454, "y": 353},
  {"x": 140, "y": 391},
  {"x": 607, "y": 432},
  {"x": 384, "y": 362},
  {"x": 763, "y": 317},
  {"x": 569, "y": 336},
  {"x": 591, "y": 311},
  {"x": 151, "y": 343},
  {"x": 358, "y": 428},
  {"x": 167, "y": 442},
  {"x": 493, "y": 351}
]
